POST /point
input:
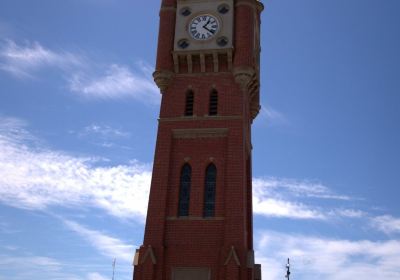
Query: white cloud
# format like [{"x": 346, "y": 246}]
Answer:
[
  {"x": 33, "y": 177},
  {"x": 298, "y": 188},
  {"x": 84, "y": 77},
  {"x": 96, "y": 276},
  {"x": 330, "y": 259},
  {"x": 106, "y": 245},
  {"x": 104, "y": 131},
  {"x": 280, "y": 208},
  {"x": 118, "y": 82},
  {"x": 23, "y": 267},
  {"x": 28, "y": 266},
  {"x": 298, "y": 199},
  {"x": 272, "y": 116},
  {"x": 30, "y": 262},
  {"x": 278, "y": 197},
  {"x": 387, "y": 224},
  {"x": 23, "y": 60},
  {"x": 37, "y": 178},
  {"x": 349, "y": 213},
  {"x": 105, "y": 136}
]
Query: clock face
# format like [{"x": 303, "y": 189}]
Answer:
[{"x": 203, "y": 27}]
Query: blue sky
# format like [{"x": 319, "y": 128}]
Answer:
[{"x": 78, "y": 120}]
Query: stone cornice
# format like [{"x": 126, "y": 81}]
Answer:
[
  {"x": 200, "y": 133},
  {"x": 195, "y": 118},
  {"x": 194, "y": 218}
]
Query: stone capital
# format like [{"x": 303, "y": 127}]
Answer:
[
  {"x": 163, "y": 78},
  {"x": 243, "y": 76}
]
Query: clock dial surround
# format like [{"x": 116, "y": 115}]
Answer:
[{"x": 204, "y": 27}]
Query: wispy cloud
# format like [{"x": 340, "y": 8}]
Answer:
[
  {"x": 28, "y": 266},
  {"x": 108, "y": 246},
  {"x": 323, "y": 258},
  {"x": 284, "y": 209},
  {"x": 272, "y": 116},
  {"x": 283, "y": 198},
  {"x": 349, "y": 213},
  {"x": 38, "y": 178},
  {"x": 103, "y": 135},
  {"x": 24, "y": 60},
  {"x": 85, "y": 77},
  {"x": 298, "y": 188},
  {"x": 105, "y": 131},
  {"x": 387, "y": 224},
  {"x": 34, "y": 177},
  {"x": 116, "y": 83},
  {"x": 30, "y": 261},
  {"x": 96, "y": 276}
]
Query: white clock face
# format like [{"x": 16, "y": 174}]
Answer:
[{"x": 203, "y": 27}]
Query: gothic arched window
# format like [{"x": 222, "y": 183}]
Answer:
[
  {"x": 189, "y": 103},
  {"x": 213, "y": 107},
  {"x": 184, "y": 191},
  {"x": 209, "y": 191}
]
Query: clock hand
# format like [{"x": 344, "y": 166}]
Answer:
[
  {"x": 209, "y": 30},
  {"x": 208, "y": 22}
]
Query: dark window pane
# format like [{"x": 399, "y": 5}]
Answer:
[
  {"x": 213, "y": 109},
  {"x": 184, "y": 191},
  {"x": 209, "y": 191},
  {"x": 189, "y": 103}
]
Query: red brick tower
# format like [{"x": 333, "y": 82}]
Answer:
[{"x": 199, "y": 219}]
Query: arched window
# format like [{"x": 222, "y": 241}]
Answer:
[
  {"x": 213, "y": 109},
  {"x": 209, "y": 191},
  {"x": 184, "y": 191},
  {"x": 189, "y": 103}
]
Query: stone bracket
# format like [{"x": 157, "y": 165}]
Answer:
[{"x": 163, "y": 78}]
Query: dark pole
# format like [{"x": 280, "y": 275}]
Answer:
[
  {"x": 113, "y": 265},
  {"x": 288, "y": 270}
]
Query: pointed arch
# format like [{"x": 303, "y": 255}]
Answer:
[
  {"x": 189, "y": 103},
  {"x": 184, "y": 190},
  {"x": 213, "y": 105},
  {"x": 210, "y": 191}
]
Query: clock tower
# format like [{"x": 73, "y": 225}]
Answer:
[{"x": 199, "y": 219}]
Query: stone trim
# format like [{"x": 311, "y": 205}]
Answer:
[
  {"x": 194, "y": 218},
  {"x": 136, "y": 258},
  {"x": 232, "y": 254},
  {"x": 150, "y": 253},
  {"x": 250, "y": 259},
  {"x": 179, "y": 273},
  {"x": 195, "y": 118},
  {"x": 202, "y": 74},
  {"x": 200, "y": 133},
  {"x": 201, "y": 54}
]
